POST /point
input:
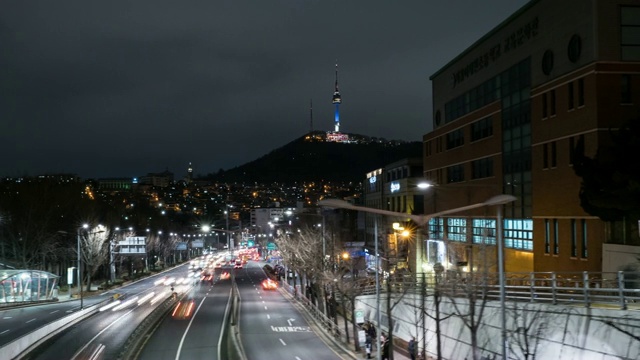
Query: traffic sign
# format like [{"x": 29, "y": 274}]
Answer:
[{"x": 359, "y": 313}]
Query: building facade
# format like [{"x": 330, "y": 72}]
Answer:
[
  {"x": 394, "y": 188},
  {"x": 509, "y": 115}
]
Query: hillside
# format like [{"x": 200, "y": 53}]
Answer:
[{"x": 302, "y": 160}]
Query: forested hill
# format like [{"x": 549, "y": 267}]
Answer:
[{"x": 301, "y": 160}]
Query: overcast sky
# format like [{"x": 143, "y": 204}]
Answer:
[{"x": 124, "y": 88}]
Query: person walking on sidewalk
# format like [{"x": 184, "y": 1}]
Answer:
[
  {"x": 411, "y": 347},
  {"x": 367, "y": 345},
  {"x": 385, "y": 347}
]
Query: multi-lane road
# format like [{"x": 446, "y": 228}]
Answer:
[{"x": 270, "y": 327}]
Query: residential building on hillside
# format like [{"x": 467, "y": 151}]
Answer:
[{"x": 509, "y": 115}]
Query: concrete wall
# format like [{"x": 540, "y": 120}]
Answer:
[{"x": 553, "y": 331}]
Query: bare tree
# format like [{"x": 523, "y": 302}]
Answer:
[
  {"x": 468, "y": 293},
  {"x": 531, "y": 325},
  {"x": 94, "y": 250}
]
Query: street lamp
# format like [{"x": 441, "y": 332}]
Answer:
[
  {"x": 84, "y": 226},
  {"x": 497, "y": 200}
]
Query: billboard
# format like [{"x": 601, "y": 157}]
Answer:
[
  {"x": 197, "y": 244},
  {"x": 181, "y": 246}
]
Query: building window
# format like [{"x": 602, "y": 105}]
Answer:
[
  {"x": 580, "y": 92},
  {"x": 630, "y": 32},
  {"x": 584, "y": 239},
  {"x": 570, "y": 95},
  {"x": 457, "y": 229},
  {"x": 574, "y": 239},
  {"x": 481, "y": 129},
  {"x": 572, "y": 150},
  {"x": 554, "y": 160},
  {"x": 518, "y": 234},
  {"x": 484, "y": 231},
  {"x": 436, "y": 228},
  {"x": 545, "y": 106},
  {"x": 455, "y": 139},
  {"x": 553, "y": 103},
  {"x": 427, "y": 148},
  {"x": 545, "y": 156},
  {"x": 625, "y": 89},
  {"x": 482, "y": 168},
  {"x": 556, "y": 245},
  {"x": 547, "y": 241},
  {"x": 455, "y": 173}
]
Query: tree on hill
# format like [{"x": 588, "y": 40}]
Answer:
[
  {"x": 610, "y": 186},
  {"x": 300, "y": 160}
]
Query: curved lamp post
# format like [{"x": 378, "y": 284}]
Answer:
[{"x": 421, "y": 220}]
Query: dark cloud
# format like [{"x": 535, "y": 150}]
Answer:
[{"x": 122, "y": 88}]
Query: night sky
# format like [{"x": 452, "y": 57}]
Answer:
[{"x": 124, "y": 88}]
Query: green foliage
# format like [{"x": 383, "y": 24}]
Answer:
[{"x": 610, "y": 186}]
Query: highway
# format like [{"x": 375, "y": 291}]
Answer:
[
  {"x": 271, "y": 327},
  {"x": 106, "y": 330},
  {"x": 269, "y": 323},
  {"x": 196, "y": 335}
]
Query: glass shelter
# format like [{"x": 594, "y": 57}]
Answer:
[{"x": 27, "y": 286}]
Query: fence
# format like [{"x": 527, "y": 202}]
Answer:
[{"x": 582, "y": 288}]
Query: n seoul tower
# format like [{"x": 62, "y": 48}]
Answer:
[{"x": 337, "y": 100}]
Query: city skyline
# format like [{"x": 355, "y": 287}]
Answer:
[{"x": 120, "y": 89}]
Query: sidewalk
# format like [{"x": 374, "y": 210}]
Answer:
[{"x": 397, "y": 353}]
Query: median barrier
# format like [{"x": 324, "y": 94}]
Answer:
[{"x": 29, "y": 342}]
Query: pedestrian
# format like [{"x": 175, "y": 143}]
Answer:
[
  {"x": 367, "y": 345},
  {"x": 371, "y": 330},
  {"x": 412, "y": 348},
  {"x": 385, "y": 347}
]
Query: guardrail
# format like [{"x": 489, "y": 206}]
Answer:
[
  {"x": 32, "y": 340},
  {"x": 583, "y": 288},
  {"x": 321, "y": 318}
]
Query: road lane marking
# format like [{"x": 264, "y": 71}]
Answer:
[
  {"x": 54, "y": 311},
  {"x": 8, "y": 317},
  {"x": 297, "y": 358},
  {"x": 265, "y": 308},
  {"x": 28, "y": 321},
  {"x": 283, "y": 343},
  {"x": 290, "y": 328},
  {"x": 100, "y": 333},
  {"x": 4, "y": 332},
  {"x": 268, "y": 316},
  {"x": 184, "y": 336}
]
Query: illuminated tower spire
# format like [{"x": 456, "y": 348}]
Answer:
[{"x": 337, "y": 100}]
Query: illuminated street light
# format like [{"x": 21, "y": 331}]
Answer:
[
  {"x": 84, "y": 226},
  {"x": 497, "y": 200}
]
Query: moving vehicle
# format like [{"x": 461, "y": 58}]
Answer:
[
  {"x": 184, "y": 309},
  {"x": 268, "y": 284}
]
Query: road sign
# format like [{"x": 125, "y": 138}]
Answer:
[
  {"x": 271, "y": 246},
  {"x": 359, "y": 313}
]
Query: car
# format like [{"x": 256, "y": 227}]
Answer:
[
  {"x": 224, "y": 276},
  {"x": 238, "y": 264},
  {"x": 268, "y": 284},
  {"x": 183, "y": 309}
]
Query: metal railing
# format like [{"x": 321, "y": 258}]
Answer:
[{"x": 579, "y": 288}]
